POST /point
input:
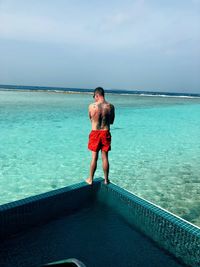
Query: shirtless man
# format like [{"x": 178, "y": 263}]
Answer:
[{"x": 101, "y": 114}]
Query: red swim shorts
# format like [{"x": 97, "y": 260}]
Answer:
[{"x": 99, "y": 140}]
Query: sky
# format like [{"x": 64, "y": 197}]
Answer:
[{"x": 150, "y": 45}]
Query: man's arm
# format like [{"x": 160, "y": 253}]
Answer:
[
  {"x": 89, "y": 112},
  {"x": 112, "y": 114},
  {"x": 90, "y": 109}
]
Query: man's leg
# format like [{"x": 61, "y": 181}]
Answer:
[
  {"x": 105, "y": 164},
  {"x": 93, "y": 166}
]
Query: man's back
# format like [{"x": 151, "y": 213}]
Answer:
[{"x": 101, "y": 115}]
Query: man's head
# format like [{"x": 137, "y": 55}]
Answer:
[{"x": 98, "y": 93}]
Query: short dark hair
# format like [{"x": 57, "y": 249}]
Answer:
[{"x": 99, "y": 90}]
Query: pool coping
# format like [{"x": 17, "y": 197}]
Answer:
[
  {"x": 154, "y": 207},
  {"x": 159, "y": 210}
]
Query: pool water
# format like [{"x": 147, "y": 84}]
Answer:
[
  {"x": 155, "y": 146},
  {"x": 96, "y": 235}
]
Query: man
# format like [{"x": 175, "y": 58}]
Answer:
[{"x": 101, "y": 114}]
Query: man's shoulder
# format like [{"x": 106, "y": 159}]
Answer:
[
  {"x": 110, "y": 105},
  {"x": 92, "y": 105}
]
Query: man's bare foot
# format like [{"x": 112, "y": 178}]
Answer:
[
  {"x": 89, "y": 181},
  {"x": 106, "y": 181}
]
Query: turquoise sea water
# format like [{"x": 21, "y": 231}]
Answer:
[{"x": 155, "y": 146}]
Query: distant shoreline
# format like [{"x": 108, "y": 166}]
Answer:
[
  {"x": 43, "y": 91},
  {"x": 23, "y": 88}
]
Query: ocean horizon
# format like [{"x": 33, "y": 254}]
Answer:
[{"x": 89, "y": 90}]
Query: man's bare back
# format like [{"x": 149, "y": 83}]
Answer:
[{"x": 101, "y": 115}]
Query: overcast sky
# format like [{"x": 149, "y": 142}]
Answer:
[{"x": 138, "y": 44}]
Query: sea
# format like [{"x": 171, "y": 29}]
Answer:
[{"x": 155, "y": 144}]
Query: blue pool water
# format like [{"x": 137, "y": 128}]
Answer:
[
  {"x": 96, "y": 235},
  {"x": 155, "y": 146}
]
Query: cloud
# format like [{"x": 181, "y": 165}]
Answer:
[
  {"x": 137, "y": 25},
  {"x": 35, "y": 28},
  {"x": 196, "y": 1},
  {"x": 123, "y": 17}
]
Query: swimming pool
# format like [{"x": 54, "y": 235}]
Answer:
[{"x": 100, "y": 225}]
